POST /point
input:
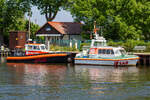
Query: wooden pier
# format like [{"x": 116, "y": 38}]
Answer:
[
  {"x": 144, "y": 58},
  {"x": 4, "y": 53}
]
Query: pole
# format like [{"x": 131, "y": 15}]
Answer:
[
  {"x": 29, "y": 24},
  {"x": 95, "y": 31}
]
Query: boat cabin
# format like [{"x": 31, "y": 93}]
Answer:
[
  {"x": 33, "y": 48},
  {"x": 99, "y": 42},
  {"x": 107, "y": 51},
  {"x": 99, "y": 47}
]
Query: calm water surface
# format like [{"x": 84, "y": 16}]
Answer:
[{"x": 19, "y": 81}]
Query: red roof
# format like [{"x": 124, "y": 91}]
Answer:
[{"x": 66, "y": 27}]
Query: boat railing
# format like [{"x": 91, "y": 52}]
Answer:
[{"x": 19, "y": 54}]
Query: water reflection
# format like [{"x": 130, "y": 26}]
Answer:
[
  {"x": 115, "y": 83},
  {"x": 37, "y": 74},
  {"x": 45, "y": 74},
  {"x": 108, "y": 73},
  {"x": 2, "y": 60},
  {"x": 73, "y": 82}
]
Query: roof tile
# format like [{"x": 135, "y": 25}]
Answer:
[{"x": 67, "y": 27}]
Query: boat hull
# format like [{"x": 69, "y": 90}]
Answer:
[
  {"x": 46, "y": 58},
  {"x": 107, "y": 62}
]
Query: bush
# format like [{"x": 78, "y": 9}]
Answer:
[
  {"x": 130, "y": 44},
  {"x": 84, "y": 44},
  {"x": 62, "y": 48},
  {"x": 115, "y": 44},
  {"x": 147, "y": 47}
]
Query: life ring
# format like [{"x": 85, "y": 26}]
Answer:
[{"x": 92, "y": 51}]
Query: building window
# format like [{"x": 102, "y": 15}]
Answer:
[{"x": 48, "y": 28}]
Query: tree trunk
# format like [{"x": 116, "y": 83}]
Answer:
[{"x": 51, "y": 16}]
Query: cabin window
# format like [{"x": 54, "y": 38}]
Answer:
[
  {"x": 123, "y": 52},
  {"x": 36, "y": 48},
  {"x": 43, "y": 48},
  {"x": 117, "y": 52},
  {"x": 100, "y": 51},
  {"x": 108, "y": 51},
  {"x": 29, "y": 47},
  {"x": 105, "y": 51},
  {"x": 111, "y": 52}
]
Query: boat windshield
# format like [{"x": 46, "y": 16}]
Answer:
[
  {"x": 122, "y": 51},
  {"x": 97, "y": 43},
  {"x": 36, "y": 47},
  {"x": 43, "y": 48}
]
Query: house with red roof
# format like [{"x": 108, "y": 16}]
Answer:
[{"x": 60, "y": 31}]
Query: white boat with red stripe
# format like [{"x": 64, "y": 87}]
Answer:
[{"x": 101, "y": 54}]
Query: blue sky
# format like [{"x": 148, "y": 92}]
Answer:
[{"x": 62, "y": 16}]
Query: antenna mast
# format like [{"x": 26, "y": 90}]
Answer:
[{"x": 95, "y": 31}]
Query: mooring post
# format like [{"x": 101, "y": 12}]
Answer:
[
  {"x": 7, "y": 54},
  {"x": 1, "y": 53},
  {"x": 4, "y": 54},
  {"x": 148, "y": 60},
  {"x": 144, "y": 60},
  {"x": 2, "y": 50}
]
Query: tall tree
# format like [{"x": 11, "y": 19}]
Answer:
[
  {"x": 121, "y": 19},
  {"x": 49, "y": 8},
  {"x": 10, "y": 12},
  {"x": 2, "y": 5}
]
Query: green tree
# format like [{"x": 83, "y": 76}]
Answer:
[
  {"x": 23, "y": 25},
  {"x": 33, "y": 28},
  {"x": 49, "y": 8},
  {"x": 121, "y": 19},
  {"x": 1, "y": 19},
  {"x": 10, "y": 11}
]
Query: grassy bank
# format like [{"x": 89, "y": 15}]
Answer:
[
  {"x": 62, "y": 48},
  {"x": 129, "y": 45}
]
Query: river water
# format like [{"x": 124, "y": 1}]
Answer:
[{"x": 19, "y": 81}]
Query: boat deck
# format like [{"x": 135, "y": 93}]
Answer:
[{"x": 144, "y": 58}]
